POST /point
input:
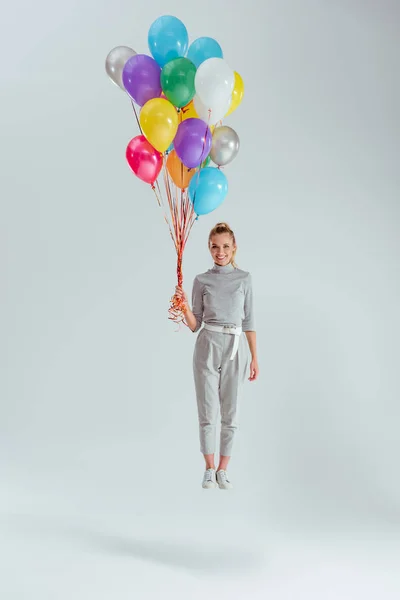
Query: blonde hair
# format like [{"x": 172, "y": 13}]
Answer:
[{"x": 224, "y": 228}]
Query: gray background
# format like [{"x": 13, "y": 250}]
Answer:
[{"x": 100, "y": 465}]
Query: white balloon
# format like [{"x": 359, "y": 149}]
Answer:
[
  {"x": 115, "y": 62},
  {"x": 214, "y": 82},
  {"x": 217, "y": 113}
]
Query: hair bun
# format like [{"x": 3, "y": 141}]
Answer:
[{"x": 223, "y": 224}]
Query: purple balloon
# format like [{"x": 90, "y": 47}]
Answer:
[
  {"x": 192, "y": 142},
  {"x": 141, "y": 78}
]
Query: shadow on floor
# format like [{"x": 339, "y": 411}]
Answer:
[{"x": 195, "y": 557}]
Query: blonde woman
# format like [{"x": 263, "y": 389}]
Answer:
[{"x": 222, "y": 300}]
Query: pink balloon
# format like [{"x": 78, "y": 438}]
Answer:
[{"x": 144, "y": 160}]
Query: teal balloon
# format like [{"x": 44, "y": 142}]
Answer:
[
  {"x": 202, "y": 49},
  {"x": 167, "y": 39},
  {"x": 207, "y": 190}
]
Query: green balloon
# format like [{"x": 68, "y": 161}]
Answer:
[
  {"x": 177, "y": 81},
  {"x": 206, "y": 162}
]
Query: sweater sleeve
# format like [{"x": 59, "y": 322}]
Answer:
[
  {"x": 248, "y": 323},
  {"x": 197, "y": 303}
]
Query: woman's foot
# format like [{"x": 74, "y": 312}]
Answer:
[
  {"x": 223, "y": 481},
  {"x": 209, "y": 479}
]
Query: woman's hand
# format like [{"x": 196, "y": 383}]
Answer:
[
  {"x": 181, "y": 294},
  {"x": 189, "y": 317},
  {"x": 254, "y": 370}
]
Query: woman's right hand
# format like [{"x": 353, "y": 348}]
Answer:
[
  {"x": 181, "y": 294},
  {"x": 190, "y": 319}
]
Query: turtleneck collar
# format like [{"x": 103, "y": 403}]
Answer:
[{"x": 223, "y": 268}]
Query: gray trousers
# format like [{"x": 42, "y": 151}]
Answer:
[{"x": 218, "y": 383}]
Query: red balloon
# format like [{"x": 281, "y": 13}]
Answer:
[{"x": 144, "y": 160}]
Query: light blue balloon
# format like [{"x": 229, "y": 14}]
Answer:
[
  {"x": 167, "y": 38},
  {"x": 207, "y": 190},
  {"x": 202, "y": 49}
]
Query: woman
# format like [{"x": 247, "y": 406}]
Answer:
[{"x": 222, "y": 298}]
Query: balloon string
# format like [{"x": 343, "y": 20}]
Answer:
[
  {"x": 137, "y": 119},
  {"x": 204, "y": 143},
  {"x": 181, "y": 221},
  {"x": 201, "y": 164},
  {"x": 157, "y": 194},
  {"x": 180, "y": 217}
]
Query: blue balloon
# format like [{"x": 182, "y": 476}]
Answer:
[
  {"x": 167, "y": 38},
  {"x": 202, "y": 49},
  {"x": 207, "y": 190}
]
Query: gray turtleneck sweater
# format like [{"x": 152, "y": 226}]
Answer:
[{"x": 223, "y": 296}]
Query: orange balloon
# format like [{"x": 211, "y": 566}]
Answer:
[
  {"x": 180, "y": 174},
  {"x": 189, "y": 112}
]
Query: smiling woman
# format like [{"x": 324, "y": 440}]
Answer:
[{"x": 222, "y": 299}]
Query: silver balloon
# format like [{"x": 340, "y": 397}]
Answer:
[
  {"x": 225, "y": 145},
  {"x": 115, "y": 63}
]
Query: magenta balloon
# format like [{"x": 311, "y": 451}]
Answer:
[
  {"x": 141, "y": 78},
  {"x": 192, "y": 142}
]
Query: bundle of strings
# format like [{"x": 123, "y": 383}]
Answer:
[{"x": 180, "y": 217}]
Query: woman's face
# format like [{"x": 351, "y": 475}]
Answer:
[{"x": 222, "y": 248}]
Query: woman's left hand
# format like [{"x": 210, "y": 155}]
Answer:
[{"x": 254, "y": 370}]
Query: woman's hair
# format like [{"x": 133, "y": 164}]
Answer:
[{"x": 224, "y": 228}]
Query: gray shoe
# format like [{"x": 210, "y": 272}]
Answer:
[
  {"x": 209, "y": 480},
  {"x": 223, "y": 481}
]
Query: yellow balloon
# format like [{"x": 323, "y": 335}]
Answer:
[
  {"x": 237, "y": 94},
  {"x": 159, "y": 122}
]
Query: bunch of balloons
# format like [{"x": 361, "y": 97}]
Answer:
[{"x": 183, "y": 91}]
